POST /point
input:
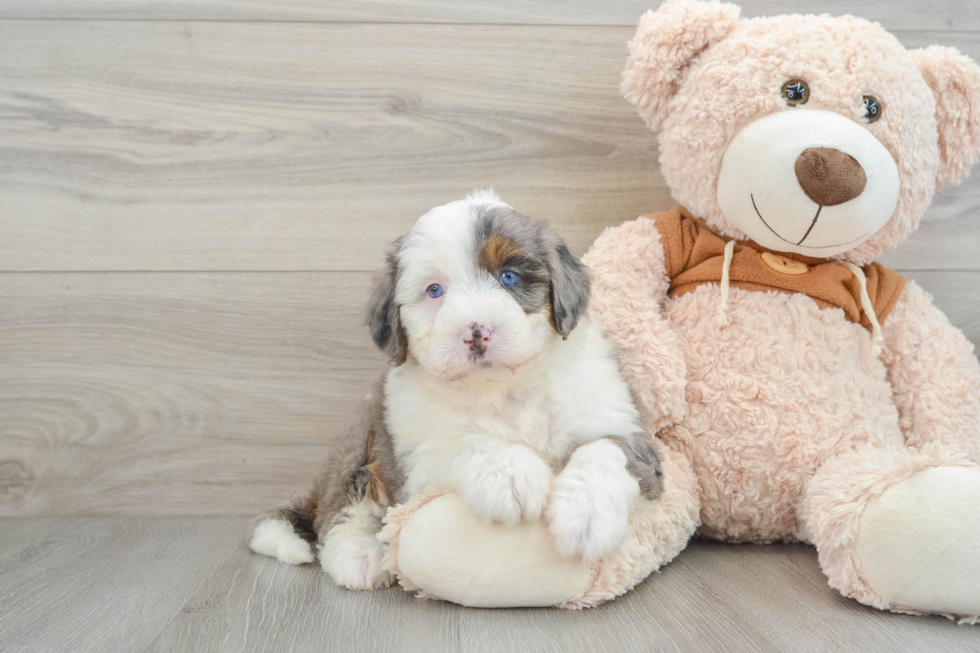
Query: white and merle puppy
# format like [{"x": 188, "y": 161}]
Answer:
[{"x": 499, "y": 389}]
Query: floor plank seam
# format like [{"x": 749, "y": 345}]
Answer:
[{"x": 281, "y": 21}]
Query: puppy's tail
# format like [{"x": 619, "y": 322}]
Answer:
[{"x": 286, "y": 534}]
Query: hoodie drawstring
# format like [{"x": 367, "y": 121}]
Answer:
[
  {"x": 877, "y": 339},
  {"x": 721, "y": 313}
]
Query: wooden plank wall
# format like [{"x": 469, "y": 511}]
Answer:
[{"x": 193, "y": 195}]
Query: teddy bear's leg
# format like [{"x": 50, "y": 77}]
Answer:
[
  {"x": 435, "y": 545},
  {"x": 659, "y": 530},
  {"x": 897, "y": 529}
]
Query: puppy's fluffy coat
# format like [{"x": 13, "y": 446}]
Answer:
[{"x": 499, "y": 389}]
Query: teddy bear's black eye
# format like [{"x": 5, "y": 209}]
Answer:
[
  {"x": 872, "y": 108},
  {"x": 796, "y": 92}
]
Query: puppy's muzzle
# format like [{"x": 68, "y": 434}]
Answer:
[{"x": 477, "y": 337}]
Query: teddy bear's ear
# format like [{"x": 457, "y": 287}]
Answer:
[
  {"x": 666, "y": 41},
  {"x": 955, "y": 81}
]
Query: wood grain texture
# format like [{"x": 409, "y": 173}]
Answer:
[
  {"x": 240, "y": 177},
  {"x": 218, "y": 146},
  {"x": 173, "y": 584},
  {"x": 957, "y": 294},
  {"x": 781, "y": 591},
  {"x": 174, "y": 393},
  {"x": 105, "y": 584},
  {"x": 199, "y": 393},
  {"x": 255, "y": 146},
  {"x": 899, "y": 14}
]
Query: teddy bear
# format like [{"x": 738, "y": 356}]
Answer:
[
  {"x": 797, "y": 390},
  {"x": 813, "y": 394}
]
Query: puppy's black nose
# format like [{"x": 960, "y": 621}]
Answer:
[
  {"x": 477, "y": 336},
  {"x": 829, "y": 177}
]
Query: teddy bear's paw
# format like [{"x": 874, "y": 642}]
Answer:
[
  {"x": 506, "y": 486},
  {"x": 919, "y": 543},
  {"x": 588, "y": 514},
  {"x": 353, "y": 560}
]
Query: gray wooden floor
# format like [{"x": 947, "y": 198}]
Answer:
[
  {"x": 189, "y": 584},
  {"x": 193, "y": 194}
]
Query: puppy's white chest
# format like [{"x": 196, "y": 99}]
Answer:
[{"x": 519, "y": 417}]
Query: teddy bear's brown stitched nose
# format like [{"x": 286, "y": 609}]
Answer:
[{"x": 830, "y": 177}]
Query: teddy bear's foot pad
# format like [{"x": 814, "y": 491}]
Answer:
[{"x": 919, "y": 542}]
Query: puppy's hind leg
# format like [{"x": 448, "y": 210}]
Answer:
[
  {"x": 343, "y": 514},
  {"x": 349, "y": 549},
  {"x": 286, "y": 534}
]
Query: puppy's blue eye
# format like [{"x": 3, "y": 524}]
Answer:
[
  {"x": 508, "y": 278},
  {"x": 435, "y": 290}
]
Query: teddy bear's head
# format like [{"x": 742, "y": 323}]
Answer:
[{"x": 809, "y": 134}]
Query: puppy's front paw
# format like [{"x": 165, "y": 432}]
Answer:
[
  {"x": 354, "y": 561},
  {"x": 589, "y": 510},
  {"x": 584, "y": 521},
  {"x": 507, "y": 485}
]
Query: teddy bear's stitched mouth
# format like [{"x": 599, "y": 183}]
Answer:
[{"x": 812, "y": 225}]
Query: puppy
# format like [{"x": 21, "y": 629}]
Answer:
[{"x": 499, "y": 388}]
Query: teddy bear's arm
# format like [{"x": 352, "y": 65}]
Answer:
[
  {"x": 934, "y": 375},
  {"x": 629, "y": 286}
]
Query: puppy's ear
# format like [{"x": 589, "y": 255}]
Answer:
[
  {"x": 382, "y": 314},
  {"x": 955, "y": 81},
  {"x": 570, "y": 282},
  {"x": 666, "y": 42}
]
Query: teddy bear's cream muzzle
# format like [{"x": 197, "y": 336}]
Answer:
[{"x": 807, "y": 181}]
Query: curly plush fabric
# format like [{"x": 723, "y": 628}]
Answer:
[
  {"x": 628, "y": 299},
  {"x": 793, "y": 425},
  {"x": 936, "y": 388},
  {"x": 666, "y": 42},
  {"x": 794, "y": 428},
  {"x": 954, "y": 79},
  {"x": 838, "y": 495},
  {"x": 703, "y": 85}
]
